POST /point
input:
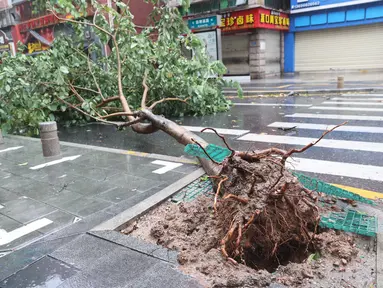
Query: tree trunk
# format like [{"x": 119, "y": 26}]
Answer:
[{"x": 182, "y": 135}]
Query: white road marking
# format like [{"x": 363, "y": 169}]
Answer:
[
  {"x": 76, "y": 219},
  {"x": 8, "y": 237},
  {"x": 352, "y": 103},
  {"x": 362, "y": 95},
  {"x": 309, "y": 126},
  {"x": 357, "y": 99},
  {"x": 168, "y": 166},
  {"x": 1, "y": 206},
  {"x": 223, "y": 131},
  {"x": 326, "y": 143},
  {"x": 11, "y": 149},
  {"x": 368, "y": 172},
  {"x": 347, "y": 109},
  {"x": 55, "y": 162},
  {"x": 272, "y": 104},
  {"x": 337, "y": 117}
]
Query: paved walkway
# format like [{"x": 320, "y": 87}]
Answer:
[{"x": 48, "y": 206}]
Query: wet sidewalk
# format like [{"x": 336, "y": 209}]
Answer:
[{"x": 46, "y": 205}]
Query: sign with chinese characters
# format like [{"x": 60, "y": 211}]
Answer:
[
  {"x": 255, "y": 18},
  {"x": 4, "y": 42},
  {"x": 206, "y": 22},
  {"x": 301, "y": 4},
  {"x": 209, "y": 38},
  {"x": 36, "y": 47}
]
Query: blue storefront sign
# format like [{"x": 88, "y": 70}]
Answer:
[
  {"x": 200, "y": 23},
  {"x": 301, "y": 4}
]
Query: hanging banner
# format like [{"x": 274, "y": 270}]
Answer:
[{"x": 255, "y": 18}]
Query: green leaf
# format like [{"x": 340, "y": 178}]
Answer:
[
  {"x": 64, "y": 69},
  {"x": 7, "y": 88}
]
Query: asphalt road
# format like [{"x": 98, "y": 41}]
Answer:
[{"x": 351, "y": 155}]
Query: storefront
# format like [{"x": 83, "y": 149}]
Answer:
[
  {"x": 334, "y": 35},
  {"x": 252, "y": 42}
]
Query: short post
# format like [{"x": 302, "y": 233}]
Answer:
[
  {"x": 340, "y": 82},
  {"x": 49, "y": 139},
  {"x": 1, "y": 138}
]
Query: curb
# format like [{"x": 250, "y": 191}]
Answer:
[
  {"x": 121, "y": 220},
  {"x": 114, "y": 150},
  {"x": 309, "y": 91}
]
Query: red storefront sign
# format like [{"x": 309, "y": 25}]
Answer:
[{"x": 255, "y": 18}]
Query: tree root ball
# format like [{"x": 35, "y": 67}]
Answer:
[{"x": 267, "y": 216}]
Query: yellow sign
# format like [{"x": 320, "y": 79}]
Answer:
[
  {"x": 275, "y": 19},
  {"x": 36, "y": 47}
]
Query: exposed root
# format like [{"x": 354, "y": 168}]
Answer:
[
  {"x": 231, "y": 196},
  {"x": 217, "y": 193}
]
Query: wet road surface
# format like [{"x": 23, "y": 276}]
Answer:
[{"x": 351, "y": 156}]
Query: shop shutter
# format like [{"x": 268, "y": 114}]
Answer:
[
  {"x": 273, "y": 53},
  {"x": 348, "y": 49},
  {"x": 235, "y": 54}
]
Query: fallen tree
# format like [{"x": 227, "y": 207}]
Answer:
[{"x": 262, "y": 212}]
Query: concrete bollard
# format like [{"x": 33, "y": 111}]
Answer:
[
  {"x": 49, "y": 139},
  {"x": 340, "y": 82},
  {"x": 1, "y": 138}
]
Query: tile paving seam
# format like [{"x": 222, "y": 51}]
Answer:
[
  {"x": 37, "y": 259},
  {"x": 113, "y": 150},
  {"x": 135, "y": 250}
]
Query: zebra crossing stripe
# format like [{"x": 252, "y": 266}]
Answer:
[
  {"x": 362, "y": 95},
  {"x": 310, "y": 126},
  {"x": 373, "y": 100},
  {"x": 325, "y": 143},
  {"x": 272, "y": 104},
  {"x": 223, "y": 131},
  {"x": 347, "y": 109},
  {"x": 352, "y": 103},
  {"x": 335, "y": 116},
  {"x": 367, "y": 172}
]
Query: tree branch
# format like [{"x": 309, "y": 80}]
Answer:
[
  {"x": 146, "y": 89},
  {"x": 222, "y": 137},
  {"x": 292, "y": 151},
  {"x": 86, "y": 89},
  {"x": 78, "y": 96},
  {"x": 94, "y": 78},
  {"x": 108, "y": 100},
  {"x": 167, "y": 99},
  {"x": 118, "y": 114},
  {"x": 130, "y": 123},
  {"x": 207, "y": 154}
]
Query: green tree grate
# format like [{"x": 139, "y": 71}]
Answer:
[
  {"x": 193, "y": 190},
  {"x": 217, "y": 153},
  {"x": 351, "y": 221},
  {"x": 323, "y": 187}
]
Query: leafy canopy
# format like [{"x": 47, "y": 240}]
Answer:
[{"x": 40, "y": 88}]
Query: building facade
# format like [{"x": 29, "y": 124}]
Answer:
[
  {"x": 252, "y": 33},
  {"x": 334, "y": 35},
  {"x": 20, "y": 22}
]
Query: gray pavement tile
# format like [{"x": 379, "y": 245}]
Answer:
[
  {"x": 163, "y": 275},
  {"x": 83, "y": 280},
  {"x": 14, "y": 183},
  {"x": 22, "y": 240},
  {"x": 130, "y": 202},
  {"x": 8, "y": 224},
  {"x": 121, "y": 266},
  {"x": 117, "y": 194},
  {"x": 93, "y": 173},
  {"x": 26, "y": 210},
  {"x": 84, "y": 206},
  {"x": 61, "y": 198},
  {"x": 19, "y": 259},
  {"x": 105, "y": 159},
  {"x": 138, "y": 245},
  {"x": 6, "y": 195},
  {"x": 186, "y": 168},
  {"x": 82, "y": 226},
  {"x": 84, "y": 252},
  {"x": 46, "y": 272},
  {"x": 60, "y": 220},
  {"x": 133, "y": 182},
  {"x": 88, "y": 187},
  {"x": 170, "y": 176},
  {"x": 39, "y": 191}
]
